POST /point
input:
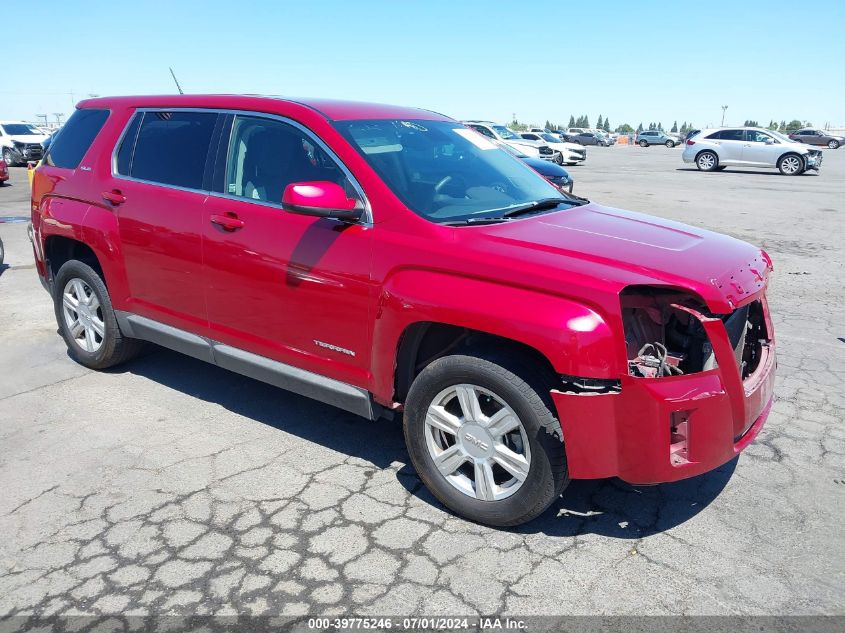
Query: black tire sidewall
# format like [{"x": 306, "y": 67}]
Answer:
[
  {"x": 103, "y": 356},
  {"x": 536, "y": 488}
]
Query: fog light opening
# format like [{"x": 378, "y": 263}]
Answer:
[{"x": 678, "y": 434}]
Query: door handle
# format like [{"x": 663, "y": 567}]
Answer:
[
  {"x": 114, "y": 196},
  {"x": 228, "y": 221}
]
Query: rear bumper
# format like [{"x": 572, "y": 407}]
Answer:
[{"x": 629, "y": 435}]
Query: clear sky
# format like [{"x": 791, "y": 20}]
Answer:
[{"x": 633, "y": 61}]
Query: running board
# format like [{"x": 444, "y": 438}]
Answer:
[{"x": 305, "y": 383}]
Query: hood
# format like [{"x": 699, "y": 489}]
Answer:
[
  {"x": 622, "y": 248},
  {"x": 545, "y": 167},
  {"x": 28, "y": 138},
  {"x": 524, "y": 141}
]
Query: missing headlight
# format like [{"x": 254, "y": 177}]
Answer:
[{"x": 662, "y": 340}]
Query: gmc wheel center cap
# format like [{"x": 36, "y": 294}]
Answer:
[{"x": 476, "y": 441}]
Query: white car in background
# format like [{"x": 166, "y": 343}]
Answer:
[
  {"x": 504, "y": 134},
  {"x": 717, "y": 148},
  {"x": 569, "y": 153},
  {"x": 20, "y": 142}
]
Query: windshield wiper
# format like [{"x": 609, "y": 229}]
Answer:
[
  {"x": 495, "y": 220},
  {"x": 537, "y": 205}
]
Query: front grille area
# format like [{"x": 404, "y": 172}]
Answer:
[{"x": 546, "y": 150}]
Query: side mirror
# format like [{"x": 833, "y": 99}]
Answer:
[
  {"x": 322, "y": 199},
  {"x": 768, "y": 141}
]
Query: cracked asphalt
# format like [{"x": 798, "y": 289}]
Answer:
[{"x": 171, "y": 486}]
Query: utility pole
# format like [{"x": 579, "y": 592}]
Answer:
[
  {"x": 723, "y": 115},
  {"x": 58, "y": 116},
  {"x": 42, "y": 116}
]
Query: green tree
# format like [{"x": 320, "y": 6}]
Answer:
[
  {"x": 750, "y": 123},
  {"x": 586, "y": 121},
  {"x": 625, "y": 128},
  {"x": 600, "y": 123},
  {"x": 674, "y": 127},
  {"x": 782, "y": 127},
  {"x": 639, "y": 128},
  {"x": 793, "y": 125},
  {"x": 659, "y": 126},
  {"x": 571, "y": 121},
  {"x": 606, "y": 127},
  {"x": 773, "y": 125}
]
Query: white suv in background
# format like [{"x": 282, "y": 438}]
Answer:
[
  {"x": 507, "y": 136},
  {"x": 20, "y": 142},
  {"x": 715, "y": 149},
  {"x": 569, "y": 153}
]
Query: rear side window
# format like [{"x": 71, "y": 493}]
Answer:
[
  {"x": 127, "y": 145},
  {"x": 171, "y": 148},
  {"x": 70, "y": 145}
]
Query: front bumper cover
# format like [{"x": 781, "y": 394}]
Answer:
[{"x": 628, "y": 434}]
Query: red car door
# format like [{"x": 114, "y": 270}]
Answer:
[
  {"x": 292, "y": 288},
  {"x": 158, "y": 198}
]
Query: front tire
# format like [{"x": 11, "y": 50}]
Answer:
[
  {"x": 559, "y": 159},
  {"x": 707, "y": 161},
  {"x": 643, "y": 143},
  {"x": 86, "y": 318},
  {"x": 483, "y": 436},
  {"x": 670, "y": 144},
  {"x": 7, "y": 156},
  {"x": 833, "y": 144},
  {"x": 791, "y": 165}
]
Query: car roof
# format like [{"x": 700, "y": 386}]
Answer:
[{"x": 335, "y": 110}]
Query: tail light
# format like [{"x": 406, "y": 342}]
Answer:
[{"x": 690, "y": 142}]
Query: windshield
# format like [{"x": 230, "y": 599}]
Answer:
[
  {"x": 444, "y": 171},
  {"x": 551, "y": 138},
  {"x": 21, "y": 129},
  {"x": 512, "y": 150},
  {"x": 505, "y": 133},
  {"x": 781, "y": 137}
]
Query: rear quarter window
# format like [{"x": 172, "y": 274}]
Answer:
[{"x": 76, "y": 137}]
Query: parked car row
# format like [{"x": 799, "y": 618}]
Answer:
[
  {"x": 547, "y": 147},
  {"x": 718, "y": 148},
  {"x": 813, "y": 136}
]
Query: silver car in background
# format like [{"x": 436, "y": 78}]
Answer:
[{"x": 715, "y": 149}]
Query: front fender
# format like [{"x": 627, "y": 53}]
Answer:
[{"x": 575, "y": 338}]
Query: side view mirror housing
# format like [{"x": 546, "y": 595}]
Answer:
[
  {"x": 769, "y": 141},
  {"x": 322, "y": 199}
]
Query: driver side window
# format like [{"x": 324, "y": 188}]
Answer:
[{"x": 266, "y": 155}]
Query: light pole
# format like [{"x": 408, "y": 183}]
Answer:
[{"x": 723, "y": 115}]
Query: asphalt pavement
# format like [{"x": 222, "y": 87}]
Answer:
[{"x": 171, "y": 486}]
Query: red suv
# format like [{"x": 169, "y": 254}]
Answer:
[{"x": 387, "y": 259}]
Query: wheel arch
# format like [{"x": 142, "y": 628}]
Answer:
[{"x": 423, "y": 314}]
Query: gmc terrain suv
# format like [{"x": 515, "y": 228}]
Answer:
[{"x": 391, "y": 260}]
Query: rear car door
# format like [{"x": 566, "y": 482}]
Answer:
[
  {"x": 158, "y": 192},
  {"x": 729, "y": 144},
  {"x": 292, "y": 288}
]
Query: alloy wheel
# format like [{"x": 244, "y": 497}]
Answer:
[
  {"x": 706, "y": 162},
  {"x": 833, "y": 144},
  {"x": 791, "y": 164},
  {"x": 477, "y": 442},
  {"x": 83, "y": 315}
]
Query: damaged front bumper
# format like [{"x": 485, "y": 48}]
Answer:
[{"x": 653, "y": 430}]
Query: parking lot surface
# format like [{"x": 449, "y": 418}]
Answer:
[{"x": 171, "y": 486}]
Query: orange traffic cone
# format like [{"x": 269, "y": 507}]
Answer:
[{"x": 30, "y": 171}]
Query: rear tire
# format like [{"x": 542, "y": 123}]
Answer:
[
  {"x": 86, "y": 318},
  {"x": 643, "y": 143},
  {"x": 791, "y": 165},
  {"x": 707, "y": 161},
  {"x": 479, "y": 487},
  {"x": 670, "y": 143}
]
